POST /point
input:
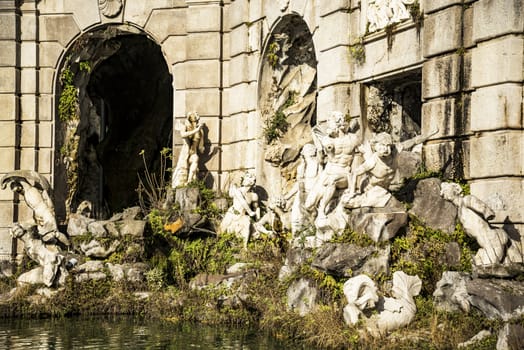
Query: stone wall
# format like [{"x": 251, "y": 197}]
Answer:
[{"x": 466, "y": 56}]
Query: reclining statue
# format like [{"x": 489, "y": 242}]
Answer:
[{"x": 37, "y": 194}]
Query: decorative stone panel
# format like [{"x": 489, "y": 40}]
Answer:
[
  {"x": 239, "y": 40},
  {"x": 441, "y": 76},
  {"x": 442, "y": 31},
  {"x": 503, "y": 195},
  {"x": 28, "y": 107},
  {"x": 61, "y": 28},
  {"x": 496, "y": 107},
  {"x": 405, "y": 51},
  {"x": 8, "y": 53},
  {"x": 328, "y": 7},
  {"x": 205, "y": 101},
  {"x": 332, "y": 66},
  {"x": 138, "y": 11},
  {"x": 202, "y": 74},
  {"x": 497, "y": 154},
  {"x": 49, "y": 53},
  {"x": 203, "y": 18},
  {"x": 335, "y": 98},
  {"x": 439, "y": 114},
  {"x": 333, "y": 31},
  {"x": 497, "y": 17},
  {"x": 10, "y": 76},
  {"x": 431, "y": 6},
  {"x": 9, "y": 103},
  {"x": 165, "y": 22},
  {"x": 174, "y": 48},
  {"x": 203, "y": 46},
  {"x": 498, "y": 61},
  {"x": 8, "y": 134}
]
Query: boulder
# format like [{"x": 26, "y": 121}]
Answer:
[
  {"x": 342, "y": 259},
  {"x": 431, "y": 208},
  {"x": 302, "y": 296},
  {"x": 379, "y": 223},
  {"x": 497, "y": 298}
]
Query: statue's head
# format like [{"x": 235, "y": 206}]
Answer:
[
  {"x": 338, "y": 121},
  {"x": 382, "y": 143},
  {"x": 309, "y": 150},
  {"x": 450, "y": 191},
  {"x": 451, "y": 292},
  {"x": 193, "y": 117},
  {"x": 249, "y": 179}
]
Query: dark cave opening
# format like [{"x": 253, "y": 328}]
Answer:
[{"x": 133, "y": 96}]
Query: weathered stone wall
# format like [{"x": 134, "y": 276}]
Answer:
[{"x": 468, "y": 55}]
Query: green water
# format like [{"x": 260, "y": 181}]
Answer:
[{"x": 127, "y": 333}]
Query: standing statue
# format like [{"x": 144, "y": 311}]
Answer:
[
  {"x": 307, "y": 172},
  {"x": 338, "y": 142},
  {"x": 474, "y": 214},
  {"x": 193, "y": 144},
  {"x": 245, "y": 208},
  {"x": 36, "y": 192}
]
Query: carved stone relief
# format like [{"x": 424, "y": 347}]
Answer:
[
  {"x": 381, "y": 13},
  {"x": 110, "y": 8}
]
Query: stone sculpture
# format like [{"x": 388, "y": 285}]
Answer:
[
  {"x": 307, "y": 172},
  {"x": 48, "y": 258},
  {"x": 37, "y": 194},
  {"x": 110, "y": 8},
  {"x": 361, "y": 294},
  {"x": 399, "y": 310},
  {"x": 276, "y": 218},
  {"x": 381, "y": 13},
  {"x": 244, "y": 208},
  {"x": 474, "y": 214},
  {"x": 338, "y": 142},
  {"x": 451, "y": 293},
  {"x": 193, "y": 144}
]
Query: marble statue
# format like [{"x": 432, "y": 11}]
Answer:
[
  {"x": 451, "y": 293},
  {"x": 307, "y": 172},
  {"x": 338, "y": 142},
  {"x": 275, "y": 218},
  {"x": 49, "y": 259},
  {"x": 372, "y": 178},
  {"x": 474, "y": 214},
  {"x": 361, "y": 294},
  {"x": 399, "y": 310},
  {"x": 381, "y": 13},
  {"x": 244, "y": 209},
  {"x": 37, "y": 194},
  {"x": 193, "y": 145}
]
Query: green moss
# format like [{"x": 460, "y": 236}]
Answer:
[
  {"x": 271, "y": 55},
  {"x": 277, "y": 125},
  {"x": 350, "y": 236},
  {"x": 358, "y": 52}
]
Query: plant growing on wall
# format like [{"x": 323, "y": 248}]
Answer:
[{"x": 277, "y": 124}]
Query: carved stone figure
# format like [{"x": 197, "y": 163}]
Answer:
[
  {"x": 307, "y": 172},
  {"x": 338, "y": 142},
  {"x": 110, "y": 8},
  {"x": 451, "y": 293},
  {"x": 48, "y": 259},
  {"x": 474, "y": 214},
  {"x": 361, "y": 294},
  {"x": 245, "y": 207},
  {"x": 36, "y": 192},
  {"x": 381, "y": 13},
  {"x": 400, "y": 310},
  {"x": 193, "y": 144},
  {"x": 275, "y": 218}
]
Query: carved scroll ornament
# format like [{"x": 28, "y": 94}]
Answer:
[{"x": 110, "y": 8}]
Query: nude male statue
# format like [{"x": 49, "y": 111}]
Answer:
[{"x": 339, "y": 143}]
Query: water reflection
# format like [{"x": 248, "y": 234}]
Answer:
[{"x": 126, "y": 333}]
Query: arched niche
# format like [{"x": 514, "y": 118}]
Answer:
[
  {"x": 287, "y": 96},
  {"x": 123, "y": 109}
]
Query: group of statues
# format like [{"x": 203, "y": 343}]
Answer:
[{"x": 336, "y": 173}]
